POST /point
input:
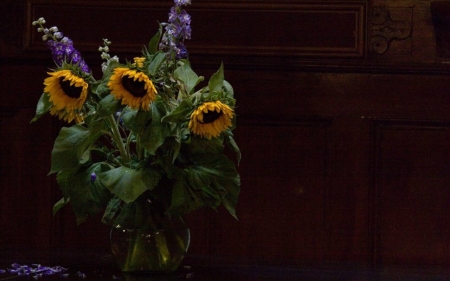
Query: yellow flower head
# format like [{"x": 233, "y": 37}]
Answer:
[
  {"x": 134, "y": 88},
  {"x": 139, "y": 61},
  {"x": 210, "y": 119},
  {"x": 67, "y": 92},
  {"x": 67, "y": 116}
]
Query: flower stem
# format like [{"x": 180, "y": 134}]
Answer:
[{"x": 118, "y": 139}]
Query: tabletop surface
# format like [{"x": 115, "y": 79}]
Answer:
[{"x": 83, "y": 265}]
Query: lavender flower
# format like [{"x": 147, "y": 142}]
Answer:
[
  {"x": 177, "y": 30},
  {"x": 62, "y": 50},
  {"x": 182, "y": 2}
]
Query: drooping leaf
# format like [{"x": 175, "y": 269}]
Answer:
[
  {"x": 216, "y": 179},
  {"x": 136, "y": 120},
  {"x": 189, "y": 78},
  {"x": 70, "y": 146},
  {"x": 108, "y": 106},
  {"x": 61, "y": 203},
  {"x": 43, "y": 106},
  {"x": 128, "y": 184},
  {"x": 86, "y": 197},
  {"x": 154, "y": 135},
  {"x": 184, "y": 200}
]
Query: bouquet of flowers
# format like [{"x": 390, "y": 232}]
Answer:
[{"x": 146, "y": 136}]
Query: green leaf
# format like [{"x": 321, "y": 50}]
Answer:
[
  {"x": 201, "y": 150},
  {"x": 216, "y": 179},
  {"x": 43, "y": 106},
  {"x": 190, "y": 79},
  {"x": 70, "y": 146},
  {"x": 184, "y": 200},
  {"x": 112, "y": 210},
  {"x": 155, "y": 134},
  {"x": 228, "y": 89},
  {"x": 107, "y": 106},
  {"x": 154, "y": 66},
  {"x": 87, "y": 198},
  {"x": 215, "y": 83},
  {"x": 154, "y": 42},
  {"x": 128, "y": 184},
  {"x": 229, "y": 140},
  {"x": 136, "y": 120},
  {"x": 61, "y": 203},
  {"x": 179, "y": 114}
]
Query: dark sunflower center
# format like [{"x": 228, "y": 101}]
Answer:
[
  {"x": 211, "y": 116},
  {"x": 70, "y": 90},
  {"x": 136, "y": 88}
]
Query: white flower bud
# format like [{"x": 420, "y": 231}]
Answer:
[
  {"x": 40, "y": 29},
  {"x": 34, "y": 23},
  {"x": 44, "y": 38},
  {"x": 54, "y": 29},
  {"x": 41, "y": 20},
  {"x": 58, "y": 35}
]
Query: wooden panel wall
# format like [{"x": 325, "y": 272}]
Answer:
[{"x": 343, "y": 122}]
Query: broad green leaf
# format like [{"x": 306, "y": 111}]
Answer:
[
  {"x": 43, "y": 106},
  {"x": 201, "y": 150},
  {"x": 128, "y": 184},
  {"x": 70, "y": 146},
  {"x": 184, "y": 200},
  {"x": 136, "y": 120},
  {"x": 190, "y": 79},
  {"x": 86, "y": 197},
  {"x": 215, "y": 83},
  {"x": 154, "y": 135},
  {"x": 218, "y": 178},
  {"x": 108, "y": 105},
  {"x": 154, "y": 66}
]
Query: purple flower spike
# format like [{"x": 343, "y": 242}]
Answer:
[{"x": 2, "y": 271}]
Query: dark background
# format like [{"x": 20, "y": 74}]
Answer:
[{"x": 343, "y": 123}]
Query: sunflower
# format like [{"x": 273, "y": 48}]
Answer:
[
  {"x": 139, "y": 62},
  {"x": 67, "y": 116},
  {"x": 210, "y": 119},
  {"x": 67, "y": 92},
  {"x": 134, "y": 88}
]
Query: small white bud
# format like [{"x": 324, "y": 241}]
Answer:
[
  {"x": 40, "y": 29},
  {"x": 34, "y": 23},
  {"x": 58, "y": 35},
  {"x": 44, "y": 38},
  {"x": 54, "y": 29},
  {"x": 41, "y": 20}
]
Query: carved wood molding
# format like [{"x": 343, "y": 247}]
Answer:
[
  {"x": 384, "y": 30},
  {"x": 319, "y": 29}
]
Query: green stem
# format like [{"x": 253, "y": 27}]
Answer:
[{"x": 118, "y": 139}]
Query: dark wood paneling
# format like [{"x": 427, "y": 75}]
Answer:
[
  {"x": 341, "y": 32},
  {"x": 411, "y": 193}
]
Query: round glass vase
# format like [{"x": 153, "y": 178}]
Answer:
[{"x": 150, "y": 250}]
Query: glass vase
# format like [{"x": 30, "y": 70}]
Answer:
[{"x": 152, "y": 249}]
